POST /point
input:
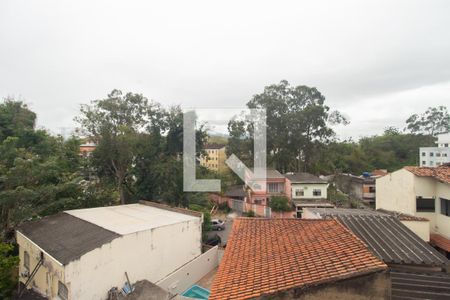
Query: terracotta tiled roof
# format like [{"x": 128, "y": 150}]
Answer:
[
  {"x": 441, "y": 173},
  {"x": 266, "y": 256},
  {"x": 440, "y": 241}
]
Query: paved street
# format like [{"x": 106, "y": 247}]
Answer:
[{"x": 228, "y": 225}]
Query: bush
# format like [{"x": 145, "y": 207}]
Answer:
[
  {"x": 280, "y": 203},
  {"x": 250, "y": 214},
  {"x": 8, "y": 264},
  {"x": 224, "y": 207}
]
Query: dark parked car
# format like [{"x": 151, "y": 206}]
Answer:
[
  {"x": 217, "y": 224},
  {"x": 213, "y": 240}
]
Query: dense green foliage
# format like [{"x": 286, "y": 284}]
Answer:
[
  {"x": 300, "y": 138},
  {"x": 280, "y": 203},
  {"x": 8, "y": 265}
]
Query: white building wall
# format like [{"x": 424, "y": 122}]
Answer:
[
  {"x": 186, "y": 276},
  {"x": 395, "y": 192},
  {"x": 421, "y": 228},
  {"x": 308, "y": 190},
  {"x": 150, "y": 254},
  {"x": 442, "y": 225}
]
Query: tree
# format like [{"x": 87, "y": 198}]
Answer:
[
  {"x": 116, "y": 124},
  {"x": 435, "y": 120},
  {"x": 280, "y": 203},
  {"x": 298, "y": 121},
  {"x": 8, "y": 264}
]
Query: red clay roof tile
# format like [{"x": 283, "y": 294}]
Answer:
[
  {"x": 266, "y": 256},
  {"x": 441, "y": 173}
]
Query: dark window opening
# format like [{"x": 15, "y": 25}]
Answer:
[
  {"x": 425, "y": 204},
  {"x": 317, "y": 192},
  {"x": 371, "y": 189},
  {"x": 445, "y": 207}
]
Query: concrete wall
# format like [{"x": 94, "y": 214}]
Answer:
[
  {"x": 421, "y": 228},
  {"x": 150, "y": 254},
  {"x": 395, "y": 192},
  {"x": 46, "y": 279},
  {"x": 373, "y": 286},
  {"x": 308, "y": 190},
  {"x": 187, "y": 275}
]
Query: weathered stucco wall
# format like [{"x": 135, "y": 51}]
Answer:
[
  {"x": 442, "y": 225},
  {"x": 395, "y": 192},
  {"x": 150, "y": 254},
  {"x": 186, "y": 276},
  {"x": 373, "y": 286},
  {"x": 46, "y": 279},
  {"x": 421, "y": 228}
]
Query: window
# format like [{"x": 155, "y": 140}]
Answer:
[
  {"x": 317, "y": 192},
  {"x": 299, "y": 193},
  {"x": 446, "y": 145},
  {"x": 425, "y": 204},
  {"x": 371, "y": 189},
  {"x": 424, "y": 154},
  {"x": 431, "y": 154},
  {"x": 438, "y": 154},
  {"x": 63, "y": 293},
  {"x": 275, "y": 187},
  {"x": 424, "y": 163},
  {"x": 445, "y": 207},
  {"x": 26, "y": 261},
  {"x": 444, "y": 155},
  {"x": 431, "y": 163}
]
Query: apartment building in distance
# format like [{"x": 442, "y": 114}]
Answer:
[
  {"x": 215, "y": 158},
  {"x": 436, "y": 156}
]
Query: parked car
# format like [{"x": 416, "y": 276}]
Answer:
[
  {"x": 213, "y": 240},
  {"x": 217, "y": 224}
]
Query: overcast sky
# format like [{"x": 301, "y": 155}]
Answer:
[{"x": 377, "y": 62}]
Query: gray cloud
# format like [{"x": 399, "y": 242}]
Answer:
[{"x": 369, "y": 59}]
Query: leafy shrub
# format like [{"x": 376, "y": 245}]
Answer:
[{"x": 280, "y": 203}]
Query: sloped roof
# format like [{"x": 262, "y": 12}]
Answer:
[
  {"x": 392, "y": 241},
  {"x": 402, "y": 216},
  {"x": 441, "y": 173},
  {"x": 304, "y": 178},
  {"x": 419, "y": 286},
  {"x": 65, "y": 237},
  {"x": 130, "y": 218},
  {"x": 266, "y": 256},
  {"x": 440, "y": 241},
  {"x": 236, "y": 191}
]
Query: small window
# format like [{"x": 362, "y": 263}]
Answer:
[
  {"x": 431, "y": 163},
  {"x": 438, "y": 154},
  {"x": 299, "y": 193},
  {"x": 431, "y": 154},
  {"x": 446, "y": 145},
  {"x": 424, "y": 163},
  {"x": 63, "y": 293},
  {"x": 317, "y": 192},
  {"x": 371, "y": 189},
  {"x": 26, "y": 261},
  {"x": 444, "y": 154},
  {"x": 424, "y": 154},
  {"x": 445, "y": 207},
  {"x": 425, "y": 204}
]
